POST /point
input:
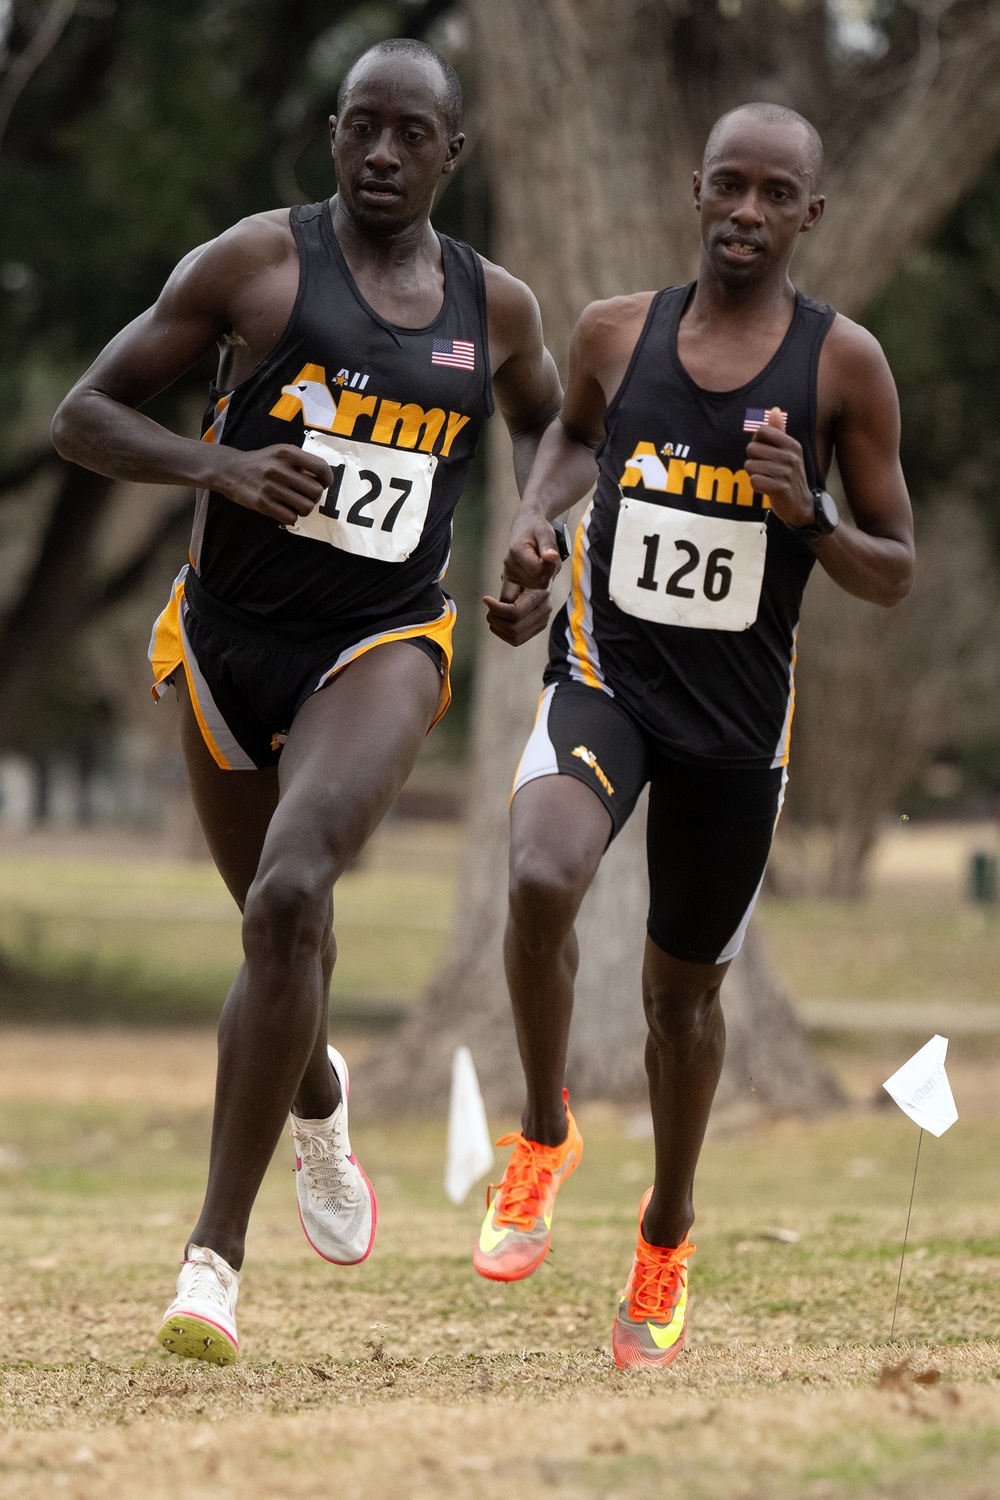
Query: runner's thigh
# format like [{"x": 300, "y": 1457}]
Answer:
[
  {"x": 234, "y": 807},
  {"x": 349, "y": 751}
]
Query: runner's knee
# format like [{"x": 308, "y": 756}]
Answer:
[
  {"x": 676, "y": 1007},
  {"x": 286, "y": 912},
  {"x": 545, "y": 893}
]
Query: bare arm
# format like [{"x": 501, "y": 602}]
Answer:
[
  {"x": 98, "y": 424},
  {"x": 527, "y": 391},
  {"x": 874, "y": 558},
  {"x": 565, "y": 467}
]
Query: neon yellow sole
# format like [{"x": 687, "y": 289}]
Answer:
[{"x": 194, "y": 1338}]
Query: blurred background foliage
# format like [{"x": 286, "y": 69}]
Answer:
[{"x": 146, "y": 129}]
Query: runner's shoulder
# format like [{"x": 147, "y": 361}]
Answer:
[
  {"x": 609, "y": 328},
  {"x": 854, "y": 361},
  {"x": 853, "y": 347},
  {"x": 258, "y": 243},
  {"x": 508, "y": 298}
]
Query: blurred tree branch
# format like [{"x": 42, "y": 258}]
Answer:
[{"x": 18, "y": 70}]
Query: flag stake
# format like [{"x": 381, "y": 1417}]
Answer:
[{"x": 906, "y": 1233}]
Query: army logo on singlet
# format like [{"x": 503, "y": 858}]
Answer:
[
  {"x": 376, "y": 505},
  {"x": 391, "y": 422},
  {"x": 676, "y": 566}
]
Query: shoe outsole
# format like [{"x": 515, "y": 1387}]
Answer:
[
  {"x": 197, "y": 1338},
  {"x": 330, "y": 1259},
  {"x": 631, "y": 1356},
  {"x": 491, "y": 1273}
]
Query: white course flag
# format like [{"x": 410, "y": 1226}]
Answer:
[
  {"x": 470, "y": 1148},
  {"x": 921, "y": 1088}
]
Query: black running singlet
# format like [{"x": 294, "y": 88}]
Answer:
[
  {"x": 396, "y": 413},
  {"x": 686, "y": 587}
]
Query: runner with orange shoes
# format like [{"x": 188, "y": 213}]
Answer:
[{"x": 709, "y": 416}]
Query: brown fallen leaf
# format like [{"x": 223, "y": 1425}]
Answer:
[{"x": 319, "y": 1372}]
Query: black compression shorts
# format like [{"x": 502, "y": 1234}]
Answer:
[{"x": 709, "y": 829}]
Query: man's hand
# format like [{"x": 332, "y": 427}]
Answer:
[
  {"x": 519, "y": 613},
  {"x": 533, "y": 558},
  {"x": 281, "y": 482},
  {"x": 775, "y": 466}
]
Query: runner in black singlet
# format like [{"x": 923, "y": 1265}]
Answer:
[
  {"x": 713, "y": 412},
  {"x": 360, "y": 355}
]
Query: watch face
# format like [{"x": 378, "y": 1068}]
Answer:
[{"x": 827, "y": 509}]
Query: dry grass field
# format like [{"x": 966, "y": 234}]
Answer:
[
  {"x": 135, "y": 935},
  {"x": 410, "y": 1377}
]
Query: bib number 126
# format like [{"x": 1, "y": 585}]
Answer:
[
  {"x": 716, "y": 581},
  {"x": 674, "y": 567}
]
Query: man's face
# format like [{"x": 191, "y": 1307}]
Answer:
[
  {"x": 390, "y": 143},
  {"x": 755, "y": 197}
]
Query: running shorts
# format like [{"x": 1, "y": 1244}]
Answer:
[
  {"x": 709, "y": 828},
  {"x": 248, "y": 682}
]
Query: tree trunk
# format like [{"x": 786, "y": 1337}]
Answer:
[
  {"x": 55, "y": 597},
  {"x": 595, "y": 118},
  {"x": 885, "y": 691}
]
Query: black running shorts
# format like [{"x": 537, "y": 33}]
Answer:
[
  {"x": 247, "y": 683},
  {"x": 708, "y": 832}
]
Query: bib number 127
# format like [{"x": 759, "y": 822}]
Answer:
[
  {"x": 377, "y": 502},
  {"x": 358, "y": 514}
]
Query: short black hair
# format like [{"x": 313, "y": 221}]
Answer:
[
  {"x": 772, "y": 114},
  {"x": 404, "y": 46}
]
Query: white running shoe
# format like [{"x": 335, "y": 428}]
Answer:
[
  {"x": 337, "y": 1204},
  {"x": 200, "y": 1323}
]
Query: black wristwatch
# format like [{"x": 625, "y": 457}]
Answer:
[{"x": 826, "y": 518}]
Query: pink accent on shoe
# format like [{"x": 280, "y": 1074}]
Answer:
[{"x": 371, "y": 1240}]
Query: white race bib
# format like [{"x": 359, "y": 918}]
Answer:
[
  {"x": 677, "y": 568},
  {"x": 377, "y": 503}
]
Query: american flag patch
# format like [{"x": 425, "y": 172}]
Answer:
[
  {"x": 757, "y": 417},
  {"x": 457, "y": 354}
]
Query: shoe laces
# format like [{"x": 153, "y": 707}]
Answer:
[
  {"x": 525, "y": 1183},
  {"x": 209, "y": 1280},
  {"x": 657, "y": 1277},
  {"x": 323, "y": 1165}
]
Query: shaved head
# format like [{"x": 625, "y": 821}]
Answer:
[
  {"x": 406, "y": 47},
  {"x": 769, "y": 114}
]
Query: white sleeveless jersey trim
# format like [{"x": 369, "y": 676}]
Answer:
[
  {"x": 213, "y": 434},
  {"x": 583, "y": 657}
]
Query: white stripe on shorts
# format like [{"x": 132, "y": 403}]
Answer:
[{"x": 539, "y": 758}]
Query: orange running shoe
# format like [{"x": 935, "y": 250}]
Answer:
[
  {"x": 517, "y": 1230},
  {"x": 652, "y": 1314}
]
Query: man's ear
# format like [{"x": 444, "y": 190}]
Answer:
[
  {"x": 697, "y": 191},
  {"x": 813, "y": 214},
  {"x": 454, "y": 152}
]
